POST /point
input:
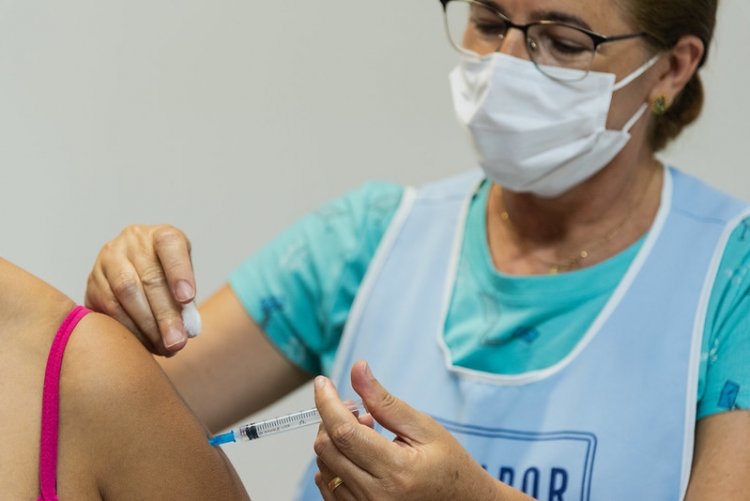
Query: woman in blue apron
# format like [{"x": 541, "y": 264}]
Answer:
[{"x": 567, "y": 321}]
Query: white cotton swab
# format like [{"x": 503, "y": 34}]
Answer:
[{"x": 191, "y": 318}]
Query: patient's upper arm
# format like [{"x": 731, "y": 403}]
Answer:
[{"x": 120, "y": 413}]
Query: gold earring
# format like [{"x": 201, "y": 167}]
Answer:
[{"x": 660, "y": 106}]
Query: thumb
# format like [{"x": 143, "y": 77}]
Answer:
[{"x": 392, "y": 413}]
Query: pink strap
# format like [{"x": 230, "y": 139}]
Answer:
[{"x": 51, "y": 406}]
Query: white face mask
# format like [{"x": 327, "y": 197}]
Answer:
[{"x": 535, "y": 134}]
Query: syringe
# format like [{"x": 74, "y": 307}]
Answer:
[{"x": 278, "y": 425}]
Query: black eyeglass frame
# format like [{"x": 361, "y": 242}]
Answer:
[{"x": 596, "y": 38}]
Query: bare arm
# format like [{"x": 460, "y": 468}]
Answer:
[
  {"x": 232, "y": 369},
  {"x": 122, "y": 417},
  {"x": 722, "y": 458}
]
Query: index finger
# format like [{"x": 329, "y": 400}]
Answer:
[
  {"x": 173, "y": 250},
  {"x": 359, "y": 443}
]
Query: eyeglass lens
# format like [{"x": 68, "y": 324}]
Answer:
[{"x": 476, "y": 28}]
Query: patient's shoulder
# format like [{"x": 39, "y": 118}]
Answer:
[
  {"x": 103, "y": 360},
  {"x": 124, "y": 433},
  {"x": 131, "y": 427}
]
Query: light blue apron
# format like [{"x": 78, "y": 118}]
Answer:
[{"x": 615, "y": 419}]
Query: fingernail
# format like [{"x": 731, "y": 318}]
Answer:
[
  {"x": 320, "y": 382},
  {"x": 173, "y": 337},
  {"x": 368, "y": 372},
  {"x": 184, "y": 291}
]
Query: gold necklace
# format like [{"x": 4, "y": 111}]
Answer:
[{"x": 576, "y": 260}]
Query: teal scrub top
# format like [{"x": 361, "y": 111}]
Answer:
[{"x": 301, "y": 286}]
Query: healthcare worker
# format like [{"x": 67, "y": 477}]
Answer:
[{"x": 570, "y": 320}]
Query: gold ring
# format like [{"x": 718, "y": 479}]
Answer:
[{"x": 335, "y": 483}]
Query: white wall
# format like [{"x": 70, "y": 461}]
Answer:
[{"x": 231, "y": 118}]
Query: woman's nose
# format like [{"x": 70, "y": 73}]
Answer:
[{"x": 514, "y": 44}]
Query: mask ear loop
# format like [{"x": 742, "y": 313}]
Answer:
[
  {"x": 637, "y": 73},
  {"x": 634, "y": 119},
  {"x": 627, "y": 80}
]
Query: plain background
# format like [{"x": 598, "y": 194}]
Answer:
[{"x": 232, "y": 118}]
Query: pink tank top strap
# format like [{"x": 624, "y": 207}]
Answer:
[{"x": 51, "y": 406}]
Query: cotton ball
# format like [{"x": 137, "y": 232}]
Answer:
[{"x": 191, "y": 318}]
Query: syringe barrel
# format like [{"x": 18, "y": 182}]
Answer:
[
  {"x": 289, "y": 422},
  {"x": 280, "y": 424}
]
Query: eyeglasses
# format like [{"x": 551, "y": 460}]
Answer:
[{"x": 477, "y": 28}]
